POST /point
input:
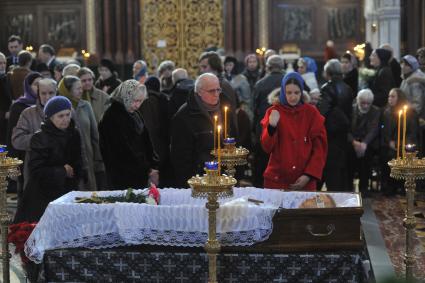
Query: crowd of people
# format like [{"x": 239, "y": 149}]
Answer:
[{"x": 305, "y": 128}]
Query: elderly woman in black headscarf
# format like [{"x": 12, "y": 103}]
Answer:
[
  {"x": 127, "y": 150},
  {"x": 383, "y": 81},
  {"x": 108, "y": 80}
]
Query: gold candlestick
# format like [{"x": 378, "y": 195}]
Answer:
[
  {"x": 232, "y": 156},
  {"x": 409, "y": 169},
  {"x": 9, "y": 167},
  {"x": 212, "y": 186}
]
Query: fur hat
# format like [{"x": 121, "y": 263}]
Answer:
[{"x": 108, "y": 64}]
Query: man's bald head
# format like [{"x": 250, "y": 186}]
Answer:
[{"x": 207, "y": 86}]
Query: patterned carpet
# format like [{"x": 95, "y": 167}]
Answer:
[{"x": 390, "y": 213}]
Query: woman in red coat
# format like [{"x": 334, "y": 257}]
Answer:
[{"x": 295, "y": 137}]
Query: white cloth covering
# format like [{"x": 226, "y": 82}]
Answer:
[{"x": 179, "y": 220}]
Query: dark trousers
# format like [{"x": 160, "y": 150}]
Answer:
[{"x": 361, "y": 166}]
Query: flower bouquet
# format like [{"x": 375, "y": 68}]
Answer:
[
  {"x": 365, "y": 76},
  {"x": 149, "y": 196},
  {"x": 18, "y": 235}
]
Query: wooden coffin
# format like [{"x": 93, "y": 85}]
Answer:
[{"x": 314, "y": 229}]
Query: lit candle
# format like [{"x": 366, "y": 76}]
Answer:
[
  {"x": 215, "y": 127},
  {"x": 218, "y": 149},
  {"x": 404, "y": 130},
  {"x": 398, "y": 133},
  {"x": 410, "y": 148},
  {"x": 225, "y": 121}
]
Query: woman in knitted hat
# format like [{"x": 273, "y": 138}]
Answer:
[
  {"x": 295, "y": 137},
  {"x": 71, "y": 87},
  {"x": 124, "y": 139},
  {"x": 383, "y": 81},
  {"x": 55, "y": 165},
  {"x": 108, "y": 80}
]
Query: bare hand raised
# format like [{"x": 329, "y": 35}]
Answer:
[{"x": 274, "y": 118}]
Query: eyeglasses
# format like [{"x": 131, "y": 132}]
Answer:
[{"x": 213, "y": 91}]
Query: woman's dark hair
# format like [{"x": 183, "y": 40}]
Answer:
[
  {"x": 401, "y": 97},
  {"x": 293, "y": 81},
  {"x": 214, "y": 61},
  {"x": 69, "y": 81}
]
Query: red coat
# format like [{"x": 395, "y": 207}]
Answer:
[{"x": 299, "y": 146}]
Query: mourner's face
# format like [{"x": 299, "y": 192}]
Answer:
[
  {"x": 34, "y": 85},
  {"x": 77, "y": 90},
  {"x": 301, "y": 68},
  {"x": 392, "y": 98},
  {"x": 104, "y": 72},
  {"x": 210, "y": 91},
  {"x": 374, "y": 59},
  {"x": 229, "y": 67},
  {"x": 314, "y": 98},
  {"x": 46, "y": 91},
  {"x": 58, "y": 75},
  {"x": 136, "y": 68},
  {"x": 346, "y": 65},
  {"x": 405, "y": 68},
  {"x": 61, "y": 119},
  {"x": 252, "y": 64},
  {"x": 14, "y": 47},
  {"x": 2, "y": 65},
  {"x": 293, "y": 94},
  {"x": 137, "y": 102},
  {"x": 204, "y": 66},
  {"x": 43, "y": 57},
  {"x": 87, "y": 81},
  {"x": 364, "y": 105}
]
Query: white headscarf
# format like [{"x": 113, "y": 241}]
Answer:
[{"x": 127, "y": 92}]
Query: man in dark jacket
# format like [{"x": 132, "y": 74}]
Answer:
[
  {"x": 336, "y": 107},
  {"x": 394, "y": 64},
  {"x": 192, "y": 128},
  {"x": 363, "y": 138},
  {"x": 262, "y": 90},
  {"x": 182, "y": 86}
]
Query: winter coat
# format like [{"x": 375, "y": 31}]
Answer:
[
  {"x": 365, "y": 127},
  {"x": 86, "y": 123},
  {"x": 153, "y": 111},
  {"x": 352, "y": 80},
  {"x": 50, "y": 149},
  {"x": 192, "y": 138},
  {"x": 261, "y": 91},
  {"x": 108, "y": 85},
  {"x": 15, "y": 112},
  {"x": 381, "y": 85},
  {"x": 99, "y": 101},
  {"x": 241, "y": 86},
  {"x": 297, "y": 147},
  {"x": 414, "y": 88},
  {"x": 128, "y": 154},
  {"x": 28, "y": 124},
  {"x": 5, "y": 103},
  {"x": 178, "y": 95}
]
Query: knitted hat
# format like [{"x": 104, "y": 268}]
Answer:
[
  {"x": 108, "y": 64},
  {"x": 55, "y": 105},
  {"x": 383, "y": 55},
  {"x": 288, "y": 76},
  {"x": 411, "y": 61}
]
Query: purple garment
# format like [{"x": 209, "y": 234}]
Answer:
[{"x": 29, "y": 98}]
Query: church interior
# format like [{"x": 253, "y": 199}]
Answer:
[{"x": 155, "y": 178}]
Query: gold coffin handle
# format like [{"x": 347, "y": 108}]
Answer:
[{"x": 330, "y": 228}]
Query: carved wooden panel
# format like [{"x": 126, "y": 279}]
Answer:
[
  {"x": 310, "y": 23},
  {"x": 179, "y": 30}
]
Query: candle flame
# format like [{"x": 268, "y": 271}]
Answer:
[
  {"x": 405, "y": 107},
  {"x": 219, "y": 128},
  {"x": 400, "y": 112},
  {"x": 225, "y": 108},
  {"x": 215, "y": 117}
]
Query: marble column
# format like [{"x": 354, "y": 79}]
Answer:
[
  {"x": 371, "y": 22},
  {"x": 263, "y": 19},
  {"x": 389, "y": 24},
  {"x": 90, "y": 26}
]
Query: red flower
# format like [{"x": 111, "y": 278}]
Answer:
[
  {"x": 18, "y": 235},
  {"x": 154, "y": 192}
]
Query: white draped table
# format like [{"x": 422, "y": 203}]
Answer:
[{"x": 179, "y": 220}]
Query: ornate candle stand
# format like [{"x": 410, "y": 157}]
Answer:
[
  {"x": 9, "y": 167},
  {"x": 212, "y": 186},
  {"x": 410, "y": 169},
  {"x": 232, "y": 156}
]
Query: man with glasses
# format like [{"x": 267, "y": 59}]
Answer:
[{"x": 192, "y": 126}]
